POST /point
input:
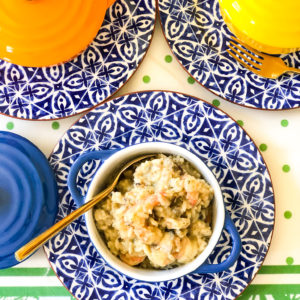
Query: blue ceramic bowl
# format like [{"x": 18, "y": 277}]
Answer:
[
  {"x": 113, "y": 160},
  {"x": 28, "y": 195}
]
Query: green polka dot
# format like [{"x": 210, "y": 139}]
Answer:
[
  {"x": 191, "y": 80},
  {"x": 216, "y": 102},
  {"x": 284, "y": 123},
  {"x": 286, "y": 168},
  {"x": 146, "y": 79},
  {"x": 240, "y": 122},
  {"x": 10, "y": 125},
  {"x": 287, "y": 214},
  {"x": 168, "y": 58},
  {"x": 263, "y": 147},
  {"x": 55, "y": 125},
  {"x": 289, "y": 260}
]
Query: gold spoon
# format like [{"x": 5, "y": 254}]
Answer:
[{"x": 38, "y": 241}]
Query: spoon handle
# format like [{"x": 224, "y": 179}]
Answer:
[
  {"x": 295, "y": 70},
  {"x": 41, "y": 239}
]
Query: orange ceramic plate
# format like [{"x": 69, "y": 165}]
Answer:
[{"x": 37, "y": 33}]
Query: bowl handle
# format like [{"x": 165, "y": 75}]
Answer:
[
  {"x": 234, "y": 254},
  {"x": 75, "y": 168}
]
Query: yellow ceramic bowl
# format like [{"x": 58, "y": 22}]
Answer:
[
  {"x": 271, "y": 26},
  {"x": 37, "y": 33}
]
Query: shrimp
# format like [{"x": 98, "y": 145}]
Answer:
[
  {"x": 160, "y": 258},
  {"x": 191, "y": 186},
  {"x": 188, "y": 250},
  {"x": 149, "y": 235},
  {"x": 179, "y": 223},
  {"x": 132, "y": 260},
  {"x": 198, "y": 191},
  {"x": 193, "y": 197},
  {"x": 161, "y": 255},
  {"x": 137, "y": 215},
  {"x": 151, "y": 201}
]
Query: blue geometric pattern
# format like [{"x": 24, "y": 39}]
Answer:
[
  {"x": 199, "y": 38},
  {"x": 204, "y": 130},
  {"x": 93, "y": 76}
]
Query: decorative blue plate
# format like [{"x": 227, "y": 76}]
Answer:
[
  {"x": 195, "y": 125},
  {"x": 199, "y": 38},
  {"x": 71, "y": 88}
]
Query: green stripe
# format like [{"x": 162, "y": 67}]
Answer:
[
  {"x": 271, "y": 291},
  {"x": 254, "y": 291},
  {"x": 285, "y": 269},
  {"x": 27, "y": 272},
  {"x": 34, "y": 291}
]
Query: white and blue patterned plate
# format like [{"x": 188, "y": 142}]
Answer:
[
  {"x": 199, "y": 38},
  {"x": 63, "y": 90},
  {"x": 206, "y": 131}
]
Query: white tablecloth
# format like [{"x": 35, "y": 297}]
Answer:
[{"x": 275, "y": 132}]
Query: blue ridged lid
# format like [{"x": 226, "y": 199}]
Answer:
[{"x": 28, "y": 195}]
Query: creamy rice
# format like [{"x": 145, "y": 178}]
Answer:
[{"x": 158, "y": 216}]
